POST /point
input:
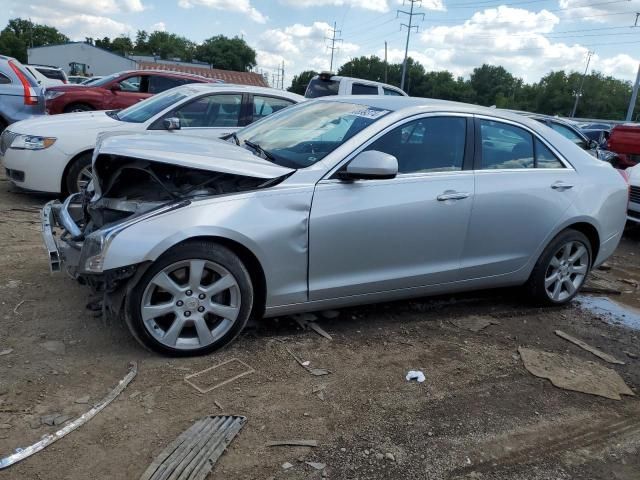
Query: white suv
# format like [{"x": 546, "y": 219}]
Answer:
[
  {"x": 327, "y": 84},
  {"x": 48, "y": 76}
]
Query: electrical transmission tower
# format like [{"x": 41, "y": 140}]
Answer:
[
  {"x": 409, "y": 27},
  {"x": 333, "y": 41}
]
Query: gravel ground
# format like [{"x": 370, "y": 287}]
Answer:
[{"x": 479, "y": 414}]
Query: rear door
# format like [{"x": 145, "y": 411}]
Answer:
[
  {"x": 378, "y": 235},
  {"x": 522, "y": 189},
  {"x": 262, "y": 106}
]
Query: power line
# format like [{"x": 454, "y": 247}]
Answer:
[
  {"x": 409, "y": 27},
  {"x": 333, "y": 43}
]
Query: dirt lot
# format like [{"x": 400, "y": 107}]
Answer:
[{"x": 479, "y": 414}]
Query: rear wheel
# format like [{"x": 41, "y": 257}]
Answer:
[
  {"x": 78, "y": 107},
  {"x": 193, "y": 300},
  {"x": 79, "y": 173},
  {"x": 561, "y": 270}
]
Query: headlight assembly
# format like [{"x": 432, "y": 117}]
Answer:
[
  {"x": 32, "y": 142},
  {"x": 51, "y": 94}
]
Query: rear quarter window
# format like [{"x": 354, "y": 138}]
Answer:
[
  {"x": 362, "y": 89},
  {"x": 4, "y": 80},
  {"x": 52, "y": 74},
  {"x": 322, "y": 88}
]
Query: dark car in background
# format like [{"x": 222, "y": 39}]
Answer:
[
  {"x": 116, "y": 91},
  {"x": 20, "y": 95}
]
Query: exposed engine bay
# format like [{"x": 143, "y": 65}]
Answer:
[{"x": 129, "y": 186}]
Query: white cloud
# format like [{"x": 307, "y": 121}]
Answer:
[
  {"x": 241, "y": 6},
  {"x": 511, "y": 37},
  {"x": 159, "y": 27},
  {"x": 374, "y": 5},
  {"x": 301, "y": 47},
  {"x": 601, "y": 11}
]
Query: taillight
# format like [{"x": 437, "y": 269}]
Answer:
[{"x": 30, "y": 97}]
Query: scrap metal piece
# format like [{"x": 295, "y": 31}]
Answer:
[
  {"x": 293, "y": 443},
  {"x": 598, "y": 353},
  {"x": 313, "y": 371},
  {"x": 206, "y": 390},
  {"x": 22, "y": 453},
  {"x": 193, "y": 454}
]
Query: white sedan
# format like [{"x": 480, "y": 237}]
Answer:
[
  {"x": 53, "y": 153},
  {"x": 633, "y": 213}
]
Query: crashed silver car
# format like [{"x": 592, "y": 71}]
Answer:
[{"x": 330, "y": 203}]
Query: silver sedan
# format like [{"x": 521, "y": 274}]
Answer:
[{"x": 331, "y": 203}]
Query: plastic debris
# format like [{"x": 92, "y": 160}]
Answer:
[{"x": 416, "y": 375}]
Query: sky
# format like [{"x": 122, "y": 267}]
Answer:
[{"x": 528, "y": 37}]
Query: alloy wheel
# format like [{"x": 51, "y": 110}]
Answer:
[
  {"x": 567, "y": 271},
  {"x": 190, "y": 304},
  {"x": 83, "y": 178}
]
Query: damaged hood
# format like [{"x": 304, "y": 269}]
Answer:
[{"x": 192, "y": 152}]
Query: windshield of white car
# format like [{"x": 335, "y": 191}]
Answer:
[
  {"x": 300, "y": 136},
  {"x": 142, "y": 111}
]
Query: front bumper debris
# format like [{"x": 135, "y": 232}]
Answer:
[{"x": 62, "y": 250}]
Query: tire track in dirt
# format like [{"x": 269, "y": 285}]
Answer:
[{"x": 528, "y": 447}]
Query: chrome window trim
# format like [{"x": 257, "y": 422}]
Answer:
[
  {"x": 386, "y": 130},
  {"x": 560, "y": 157}
]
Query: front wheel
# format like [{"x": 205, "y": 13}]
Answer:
[
  {"x": 193, "y": 300},
  {"x": 79, "y": 173},
  {"x": 561, "y": 270},
  {"x": 78, "y": 107}
]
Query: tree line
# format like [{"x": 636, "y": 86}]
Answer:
[
  {"x": 218, "y": 51},
  {"x": 554, "y": 94}
]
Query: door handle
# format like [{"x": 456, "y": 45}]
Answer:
[
  {"x": 561, "y": 186},
  {"x": 452, "y": 195}
]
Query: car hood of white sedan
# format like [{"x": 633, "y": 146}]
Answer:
[
  {"x": 190, "y": 151},
  {"x": 66, "y": 123}
]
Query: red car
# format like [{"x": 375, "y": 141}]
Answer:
[
  {"x": 116, "y": 91},
  {"x": 625, "y": 141}
]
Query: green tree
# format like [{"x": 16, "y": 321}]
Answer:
[
  {"x": 12, "y": 46},
  {"x": 492, "y": 84},
  {"x": 227, "y": 53},
  {"x": 20, "y": 34},
  {"x": 300, "y": 81},
  {"x": 141, "y": 45},
  {"x": 122, "y": 45},
  {"x": 103, "y": 43}
]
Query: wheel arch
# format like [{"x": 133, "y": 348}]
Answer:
[
  {"x": 589, "y": 231},
  {"x": 250, "y": 260},
  {"x": 63, "y": 183}
]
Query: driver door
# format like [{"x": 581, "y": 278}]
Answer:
[
  {"x": 132, "y": 89},
  {"x": 371, "y": 236}
]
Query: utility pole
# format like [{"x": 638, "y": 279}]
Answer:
[
  {"x": 409, "y": 27},
  {"x": 333, "y": 40},
  {"x": 634, "y": 96},
  {"x": 579, "y": 91},
  {"x": 385, "y": 62},
  {"x": 282, "y": 78}
]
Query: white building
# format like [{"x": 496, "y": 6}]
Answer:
[{"x": 96, "y": 61}]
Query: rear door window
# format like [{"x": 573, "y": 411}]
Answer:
[
  {"x": 221, "y": 110},
  {"x": 362, "y": 89},
  {"x": 322, "y": 88},
  {"x": 264, "y": 106},
  {"x": 570, "y": 134},
  {"x": 505, "y": 146},
  {"x": 159, "y": 84},
  {"x": 390, "y": 91}
]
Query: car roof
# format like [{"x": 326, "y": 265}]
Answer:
[
  {"x": 232, "y": 87},
  {"x": 361, "y": 80},
  {"x": 50, "y": 67}
]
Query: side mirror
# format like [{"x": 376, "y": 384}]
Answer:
[
  {"x": 115, "y": 87},
  {"x": 171, "y": 123},
  {"x": 371, "y": 165}
]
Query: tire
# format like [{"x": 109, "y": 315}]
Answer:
[
  {"x": 558, "y": 276},
  {"x": 177, "y": 317},
  {"x": 78, "y": 107},
  {"x": 77, "y": 173}
]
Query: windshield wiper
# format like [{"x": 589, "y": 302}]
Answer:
[
  {"x": 235, "y": 138},
  {"x": 113, "y": 114},
  {"x": 261, "y": 151}
]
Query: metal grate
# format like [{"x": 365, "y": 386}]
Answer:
[
  {"x": 634, "y": 194},
  {"x": 6, "y": 139},
  {"x": 193, "y": 454}
]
